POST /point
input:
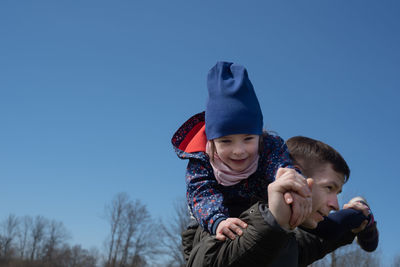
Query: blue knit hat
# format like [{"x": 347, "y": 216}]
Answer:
[{"x": 232, "y": 105}]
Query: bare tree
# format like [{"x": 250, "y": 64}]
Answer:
[
  {"x": 57, "y": 235},
  {"x": 40, "y": 242},
  {"x": 145, "y": 243},
  {"x": 114, "y": 214},
  {"x": 135, "y": 212},
  {"x": 79, "y": 257},
  {"x": 37, "y": 236},
  {"x": 131, "y": 241},
  {"x": 25, "y": 225},
  {"x": 9, "y": 230},
  {"x": 172, "y": 241},
  {"x": 350, "y": 256},
  {"x": 357, "y": 257},
  {"x": 138, "y": 261}
]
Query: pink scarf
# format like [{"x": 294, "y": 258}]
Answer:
[{"x": 224, "y": 174}]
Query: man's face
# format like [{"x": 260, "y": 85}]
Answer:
[{"x": 327, "y": 185}]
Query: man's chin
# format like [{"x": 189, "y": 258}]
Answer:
[{"x": 310, "y": 224}]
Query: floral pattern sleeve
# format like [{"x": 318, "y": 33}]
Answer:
[{"x": 203, "y": 196}]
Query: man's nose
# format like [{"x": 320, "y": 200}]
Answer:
[{"x": 334, "y": 203}]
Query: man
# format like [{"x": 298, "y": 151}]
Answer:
[{"x": 268, "y": 240}]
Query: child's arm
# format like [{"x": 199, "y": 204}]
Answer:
[
  {"x": 278, "y": 157},
  {"x": 339, "y": 223},
  {"x": 357, "y": 218},
  {"x": 367, "y": 236},
  {"x": 203, "y": 196},
  {"x": 230, "y": 228}
]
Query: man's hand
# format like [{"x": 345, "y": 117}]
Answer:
[
  {"x": 288, "y": 180},
  {"x": 301, "y": 207},
  {"x": 230, "y": 228}
]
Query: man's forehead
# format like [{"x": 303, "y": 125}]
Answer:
[{"x": 326, "y": 173}]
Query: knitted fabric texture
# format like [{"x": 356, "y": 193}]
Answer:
[{"x": 232, "y": 105}]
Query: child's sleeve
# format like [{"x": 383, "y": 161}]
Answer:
[
  {"x": 278, "y": 155},
  {"x": 203, "y": 196},
  {"x": 341, "y": 222},
  {"x": 368, "y": 239}
]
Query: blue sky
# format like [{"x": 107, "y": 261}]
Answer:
[{"x": 92, "y": 91}]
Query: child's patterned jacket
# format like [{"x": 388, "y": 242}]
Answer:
[{"x": 211, "y": 202}]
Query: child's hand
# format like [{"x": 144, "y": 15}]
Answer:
[
  {"x": 362, "y": 207},
  {"x": 230, "y": 228},
  {"x": 301, "y": 207},
  {"x": 288, "y": 180},
  {"x": 299, "y": 184}
]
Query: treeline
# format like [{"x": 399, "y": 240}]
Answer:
[
  {"x": 37, "y": 241},
  {"x": 352, "y": 256},
  {"x": 134, "y": 239},
  {"x": 137, "y": 240}
]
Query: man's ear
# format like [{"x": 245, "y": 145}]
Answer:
[
  {"x": 298, "y": 167},
  {"x": 310, "y": 182}
]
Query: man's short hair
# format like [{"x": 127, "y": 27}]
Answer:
[{"x": 312, "y": 152}]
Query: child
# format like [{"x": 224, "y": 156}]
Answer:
[{"x": 231, "y": 159}]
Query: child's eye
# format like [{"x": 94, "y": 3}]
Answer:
[
  {"x": 225, "y": 141},
  {"x": 249, "y": 138}
]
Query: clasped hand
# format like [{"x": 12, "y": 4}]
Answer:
[{"x": 289, "y": 200}]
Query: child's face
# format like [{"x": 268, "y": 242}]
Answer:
[
  {"x": 237, "y": 151},
  {"x": 326, "y": 186}
]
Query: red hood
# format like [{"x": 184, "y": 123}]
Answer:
[{"x": 191, "y": 136}]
